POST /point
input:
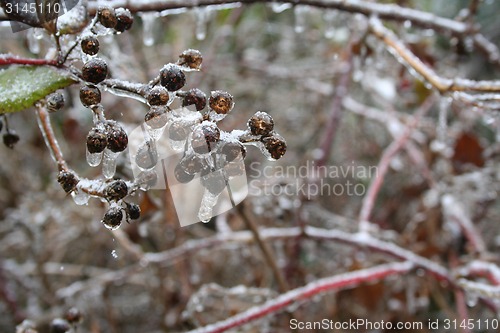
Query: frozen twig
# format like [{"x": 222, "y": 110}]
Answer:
[
  {"x": 453, "y": 210},
  {"x": 49, "y": 137},
  {"x": 329, "y": 284},
  {"x": 6, "y": 59},
  {"x": 383, "y": 167},
  {"x": 442, "y": 84}
]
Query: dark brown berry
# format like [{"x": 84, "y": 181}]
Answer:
[
  {"x": 90, "y": 45},
  {"x": 133, "y": 211},
  {"x": 158, "y": 95},
  {"x": 124, "y": 19},
  {"x": 181, "y": 175},
  {"x": 156, "y": 117},
  {"x": 147, "y": 156},
  {"x": 191, "y": 59},
  {"x": 97, "y": 140},
  {"x": 10, "y": 139},
  {"x": 221, "y": 102},
  {"x": 107, "y": 17},
  {"x": 74, "y": 316},
  {"x": 261, "y": 123},
  {"x": 113, "y": 218},
  {"x": 95, "y": 70},
  {"x": 55, "y": 102},
  {"x": 117, "y": 190},
  {"x": 205, "y": 137},
  {"x": 67, "y": 180},
  {"x": 178, "y": 131},
  {"x": 90, "y": 95},
  {"x": 192, "y": 164},
  {"x": 59, "y": 325},
  {"x": 172, "y": 77},
  {"x": 233, "y": 150},
  {"x": 275, "y": 145},
  {"x": 195, "y": 97},
  {"x": 117, "y": 137}
]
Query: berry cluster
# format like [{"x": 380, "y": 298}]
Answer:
[{"x": 204, "y": 151}]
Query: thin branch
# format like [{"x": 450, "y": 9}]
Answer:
[
  {"x": 443, "y": 85},
  {"x": 49, "y": 137},
  {"x": 336, "y": 108},
  {"x": 383, "y": 167},
  {"x": 329, "y": 284},
  {"x": 6, "y": 59},
  {"x": 367, "y": 8},
  {"x": 266, "y": 251}
]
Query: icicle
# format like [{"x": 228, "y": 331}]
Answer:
[
  {"x": 214, "y": 116},
  {"x": 279, "y": 7},
  {"x": 80, "y": 198},
  {"x": 155, "y": 133},
  {"x": 330, "y": 18},
  {"x": 147, "y": 156},
  {"x": 109, "y": 163},
  {"x": 444, "y": 105},
  {"x": 300, "y": 12},
  {"x": 148, "y": 23},
  {"x": 471, "y": 298},
  {"x": 208, "y": 202},
  {"x": 33, "y": 43},
  {"x": 94, "y": 159},
  {"x": 201, "y": 22}
]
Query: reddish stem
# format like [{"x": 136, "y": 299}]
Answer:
[
  {"x": 329, "y": 284},
  {"x": 13, "y": 60}
]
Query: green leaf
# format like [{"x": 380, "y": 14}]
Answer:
[{"x": 22, "y": 86}]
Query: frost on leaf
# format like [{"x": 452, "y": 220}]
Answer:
[{"x": 21, "y": 87}]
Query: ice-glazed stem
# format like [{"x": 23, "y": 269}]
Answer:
[{"x": 329, "y": 284}]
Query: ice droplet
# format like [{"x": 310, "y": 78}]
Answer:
[
  {"x": 148, "y": 23},
  {"x": 214, "y": 116},
  {"x": 300, "y": 12},
  {"x": 114, "y": 254},
  {"x": 80, "y": 198},
  {"x": 94, "y": 159},
  {"x": 471, "y": 298},
  {"x": 201, "y": 22},
  {"x": 208, "y": 202},
  {"x": 33, "y": 43},
  {"x": 109, "y": 163}
]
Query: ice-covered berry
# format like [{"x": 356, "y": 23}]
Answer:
[
  {"x": 95, "y": 70},
  {"x": 106, "y": 16},
  {"x": 261, "y": 123},
  {"x": 205, "y": 137},
  {"x": 90, "y": 95},
  {"x": 182, "y": 175},
  {"x": 113, "y": 218},
  {"x": 158, "y": 95},
  {"x": 124, "y": 19},
  {"x": 275, "y": 145},
  {"x": 195, "y": 97},
  {"x": 221, "y": 102},
  {"x": 67, "y": 180},
  {"x": 156, "y": 117},
  {"x": 117, "y": 137},
  {"x": 117, "y": 190},
  {"x": 59, "y": 325},
  {"x": 191, "y": 59},
  {"x": 97, "y": 140},
  {"x": 133, "y": 211},
  {"x": 172, "y": 77},
  {"x": 90, "y": 45},
  {"x": 10, "y": 139},
  {"x": 55, "y": 102}
]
